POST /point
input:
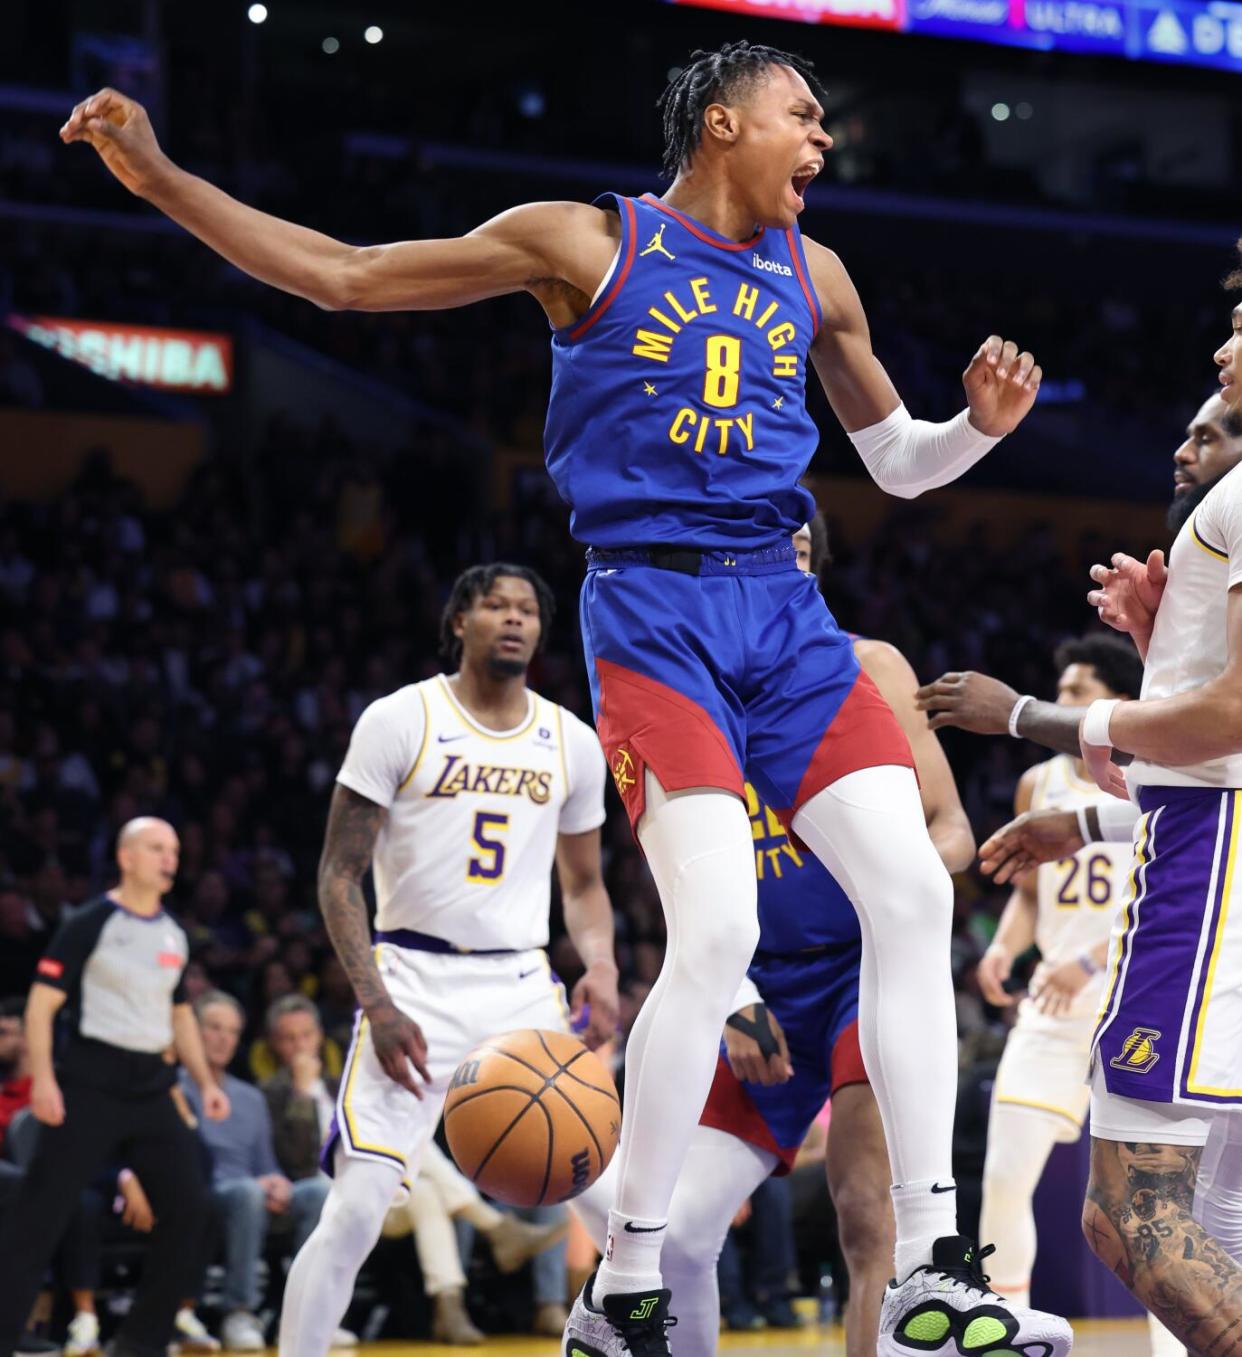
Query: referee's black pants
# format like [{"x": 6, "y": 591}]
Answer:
[{"x": 145, "y": 1133}]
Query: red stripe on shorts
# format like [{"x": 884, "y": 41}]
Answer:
[
  {"x": 643, "y": 723},
  {"x": 847, "y": 1061},
  {"x": 729, "y": 1109}
]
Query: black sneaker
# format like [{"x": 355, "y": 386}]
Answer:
[{"x": 631, "y": 1322}]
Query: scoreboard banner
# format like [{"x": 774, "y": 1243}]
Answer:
[
  {"x": 141, "y": 355},
  {"x": 1186, "y": 32}
]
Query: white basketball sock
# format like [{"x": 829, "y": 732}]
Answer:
[
  {"x": 699, "y": 848},
  {"x": 321, "y": 1280},
  {"x": 1020, "y": 1139},
  {"x": 868, "y": 830}
]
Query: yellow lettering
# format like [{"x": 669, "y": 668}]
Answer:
[
  {"x": 649, "y": 344},
  {"x": 793, "y": 853},
  {"x": 785, "y": 365},
  {"x": 774, "y": 857},
  {"x": 702, "y": 436},
  {"x": 768, "y": 312},
  {"x": 744, "y": 305},
  {"x": 701, "y": 296},
  {"x": 747, "y": 425},
  {"x": 504, "y": 784},
  {"x": 783, "y": 334},
  {"x": 776, "y": 830},
  {"x": 664, "y": 320},
  {"x": 458, "y": 782},
  {"x": 724, "y": 425},
  {"x": 677, "y": 306},
  {"x": 681, "y": 419},
  {"x": 759, "y": 864}
]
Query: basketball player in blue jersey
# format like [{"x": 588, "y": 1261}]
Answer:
[
  {"x": 792, "y": 1043},
  {"x": 677, "y": 432}
]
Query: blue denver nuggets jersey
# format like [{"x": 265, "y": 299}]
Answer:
[
  {"x": 800, "y": 903},
  {"x": 678, "y": 406}
]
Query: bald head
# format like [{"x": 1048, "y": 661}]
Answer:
[{"x": 147, "y": 850}]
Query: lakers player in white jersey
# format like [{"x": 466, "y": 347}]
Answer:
[
  {"x": 1066, "y": 909},
  {"x": 462, "y": 792}
]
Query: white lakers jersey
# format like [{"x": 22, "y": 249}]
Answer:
[
  {"x": 467, "y": 851},
  {"x": 1078, "y": 896},
  {"x": 1189, "y": 645}
]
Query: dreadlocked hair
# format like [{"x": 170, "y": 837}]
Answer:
[
  {"x": 471, "y": 585},
  {"x": 1232, "y": 283},
  {"x": 718, "y": 77}
]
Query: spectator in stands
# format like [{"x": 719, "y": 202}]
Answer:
[
  {"x": 15, "y": 1080},
  {"x": 301, "y": 1095},
  {"x": 251, "y": 1198}
]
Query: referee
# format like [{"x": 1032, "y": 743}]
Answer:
[{"x": 117, "y": 962}]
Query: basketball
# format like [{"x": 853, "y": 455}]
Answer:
[{"x": 532, "y": 1117}]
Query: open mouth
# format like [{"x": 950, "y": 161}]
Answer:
[{"x": 801, "y": 179}]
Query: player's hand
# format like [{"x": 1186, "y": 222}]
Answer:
[
  {"x": 968, "y": 701},
  {"x": 215, "y": 1102},
  {"x": 1001, "y": 386},
  {"x": 1104, "y": 772},
  {"x": 399, "y": 1044},
  {"x": 755, "y": 1042},
  {"x": 1129, "y": 594},
  {"x": 1053, "y": 988},
  {"x": 1034, "y": 837},
  {"x": 992, "y": 971},
  {"x": 47, "y": 1102},
  {"x": 136, "y": 1212},
  {"x": 119, "y": 129},
  {"x": 596, "y": 996}
]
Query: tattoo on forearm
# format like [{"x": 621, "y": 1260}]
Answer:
[
  {"x": 1138, "y": 1220},
  {"x": 353, "y": 824}
]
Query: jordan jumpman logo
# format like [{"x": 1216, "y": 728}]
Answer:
[{"x": 656, "y": 245}]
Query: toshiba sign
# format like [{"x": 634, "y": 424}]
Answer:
[{"x": 146, "y": 355}]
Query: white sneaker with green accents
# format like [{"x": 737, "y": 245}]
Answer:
[
  {"x": 947, "y": 1309},
  {"x": 629, "y": 1324}
]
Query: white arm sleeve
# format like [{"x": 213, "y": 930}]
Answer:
[
  {"x": 907, "y": 456},
  {"x": 384, "y": 746},
  {"x": 747, "y": 994},
  {"x": 587, "y": 773}
]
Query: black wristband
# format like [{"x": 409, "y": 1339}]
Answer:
[{"x": 760, "y": 1030}]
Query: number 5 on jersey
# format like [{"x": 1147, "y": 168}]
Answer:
[{"x": 489, "y": 865}]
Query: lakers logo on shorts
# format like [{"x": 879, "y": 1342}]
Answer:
[
  {"x": 1138, "y": 1051},
  {"x": 623, "y": 771}
]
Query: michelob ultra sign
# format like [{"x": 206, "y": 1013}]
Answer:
[{"x": 142, "y": 355}]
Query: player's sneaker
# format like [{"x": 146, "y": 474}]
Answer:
[
  {"x": 82, "y": 1339},
  {"x": 631, "y": 1322},
  {"x": 190, "y": 1334},
  {"x": 947, "y": 1308}
]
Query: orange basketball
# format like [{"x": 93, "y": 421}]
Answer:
[{"x": 532, "y": 1117}]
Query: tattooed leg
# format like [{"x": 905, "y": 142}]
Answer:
[{"x": 1138, "y": 1221}]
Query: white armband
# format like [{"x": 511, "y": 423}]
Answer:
[
  {"x": 1117, "y": 820},
  {"x": 1018, "y": 708},
  {"x": 747, "y": 994},
  {"x": 907, "y": 456},
  {"x": 1096, "y": 722}
]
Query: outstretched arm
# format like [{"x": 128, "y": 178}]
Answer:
[
  {"x": 907, "y": 456},
  {"x": 537, "y": 247}
]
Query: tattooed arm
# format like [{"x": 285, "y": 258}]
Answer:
[
  {"x": 353, "y": 824},
  {"x": 1138, "y": 1220}
]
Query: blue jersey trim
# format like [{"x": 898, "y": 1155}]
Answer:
[{"x": 704, "y": 233}]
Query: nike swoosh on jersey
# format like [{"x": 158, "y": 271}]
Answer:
[{"x": 448, "y": 739}]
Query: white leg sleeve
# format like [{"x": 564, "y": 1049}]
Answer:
[
  {"x": 719, "y": 1174},
  {"x": 1020, "y": 1140},
  {"x": 699, "y": 848},
  {"x": 1218, "y": 1193},
  {"x": 868, "y": 830},
  {"x": 321, "y": 1280}
]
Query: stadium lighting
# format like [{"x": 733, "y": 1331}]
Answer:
[
  {"x": 1024, "y": 111},
  {"x": 331, "y": 46},
  {"x": 257, "y": 13},
  {"x": 1000, "y": 112},
  {"x": 374, "y": 34}
]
